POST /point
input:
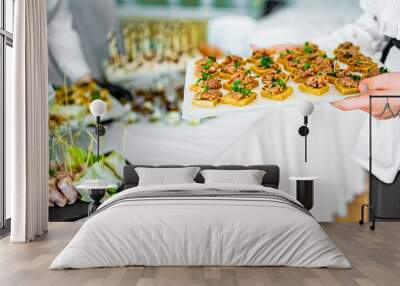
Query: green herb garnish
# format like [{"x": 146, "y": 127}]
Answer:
[
  {"x": 266, "y": 61},
  {"x": 306, "y": 66},
  {"x": 210, "y": 60},
  {"x": 95, "y": 95},
  {"x": 383, "y": 70},
  {"x": 307, "y": 49},
  {"x": 279, "y": 81},
  {"x": 355, "y": 76}
]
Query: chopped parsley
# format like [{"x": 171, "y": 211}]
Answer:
[
  {"x": 236, "y": 64},
  {"x": 306, "y": 66},
  {"x": 210, "y": 60},
  {"x": 206, "y": 88},
  {"x": 206, "y": 67},
  {"x": 354, "y": 76},
  {"x": 266, "y": 61},
  {"x": 95, "y": 95},
  {"x": 279, "y": 81},
  {"x": 307, "y": 49},
  {"x": 204, "y": 76},
  {"x": 237, "y": 87},
  {"x": 284, "y": 53},
  {"x": 383, "y": 70}
]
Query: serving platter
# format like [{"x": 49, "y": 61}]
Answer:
[{"x": 260, "y": 103}]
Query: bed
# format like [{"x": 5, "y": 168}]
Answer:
[{"x": 199, "y": 224}]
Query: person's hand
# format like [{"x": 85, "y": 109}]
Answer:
[
  {"x": 384, "y": 84},
  {"x": 276, "y": 48}
]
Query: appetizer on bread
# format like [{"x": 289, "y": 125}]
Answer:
[
  {"x": 309, "y": 49},
  {"x": 230, "y": 66},
  {"x": 241, "y": 79},
  {"x": 274, "y": 74},
  {"x": 361, "y": 63},
  {"x": 263, "y": 65},
  {"x": 374, "y": 72},
  {"x": 315, "y": 85},
  {"x": 207, "y": 97},
  {"x": 296, "y": 62},
  {"x": 276, "y": 89},
  {"x": 259, "y": 53},
  {"x": 335, "y": 74},
  {"x": 207, "y": 65},
  {"x": 301, "y": 75},
  {"x": 239, "y": 97},
  {"x": 212, "y": 83},
  {"x": 348, "y": 84}
]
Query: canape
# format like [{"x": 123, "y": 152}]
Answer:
[
  {"x": 315, "y": 85},
  {"x": 207, "y": 98},
  {"x": 361, "y": 64},
  {"x": 374, "y": 72},
  {"x": 276, "y": 89},
  {"x": 348, "y": 84},
  {"x": 346, "y": 50},
  {"x": 206, "y": 65},
  {"x": 263, "y": 65},
  {"x": 274, "y": 74},
  {"x": 296, "y": 63},
  {"x": 309, "y": 49},
  {"x": 212, "y": 83},
  {"x": 230, "y": 66},
  {"x": 242, "y": 80},
  {"x": 336, "y": 74},
  {"x": 258, "y": 54},
  {"x": 239, "y": 98},
  {"x": 301, "y": 75}
]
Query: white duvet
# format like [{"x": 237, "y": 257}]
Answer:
[{"x": 200, "y": 231}]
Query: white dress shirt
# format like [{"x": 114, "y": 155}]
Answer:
[{"x": 380, "y": 19}]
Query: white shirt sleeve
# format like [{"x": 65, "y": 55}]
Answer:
[
  {"x": 64, "y": 43},
  {"x": 365, "y": 32},
  {"x": 385, "y": 148}
]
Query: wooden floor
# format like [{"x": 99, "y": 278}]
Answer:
[{"x": 375, "y": 257}]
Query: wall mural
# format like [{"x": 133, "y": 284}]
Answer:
[{"x": 181, "y": 84}]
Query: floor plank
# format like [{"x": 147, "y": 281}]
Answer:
[{"x": 375, "y": 257}]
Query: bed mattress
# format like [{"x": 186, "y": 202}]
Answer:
[{"x": 201, "y": 225}]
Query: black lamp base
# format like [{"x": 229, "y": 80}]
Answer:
[
  {"x": 304, "y": 131},
  {"x": 96, "y": 195}
]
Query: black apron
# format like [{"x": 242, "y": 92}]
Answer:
[{"x": 392, "y": 42}]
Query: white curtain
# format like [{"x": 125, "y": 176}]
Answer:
[{"x": 26, "y": 124}]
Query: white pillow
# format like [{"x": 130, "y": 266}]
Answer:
[
  {"x": 165, "y": 176},
  {"x": 248, "y": 177}
]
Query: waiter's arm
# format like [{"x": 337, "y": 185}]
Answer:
[{"x": 64, "y": 44}]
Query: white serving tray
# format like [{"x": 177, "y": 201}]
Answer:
[{"x": 261, "y": 103}]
